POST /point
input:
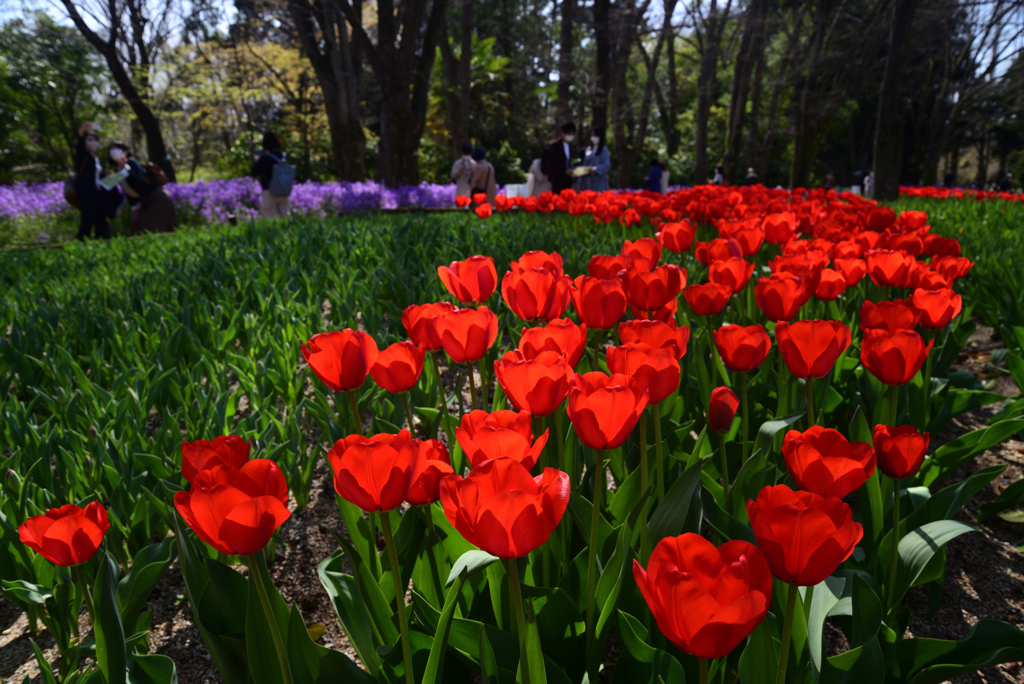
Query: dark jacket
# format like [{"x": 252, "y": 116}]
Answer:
[
  {"x": 555, "y": 166},
  {"x": 85, "y": 168},
  {"x": 263, "y": 169},
  {"x": 140, "y": 181},
  {"x": 653, "y": 180}
]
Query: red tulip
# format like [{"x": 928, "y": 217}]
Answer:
[
  {"x": 780, "y": 296},
  {"x": 538, "y": 259},
  {"x": 604, "y": 409},
  {"x": 658, "y": 334},
  {"x": 676, "y": 237},
  {"x": 644, "y": 248},
  {"x": 484, "y": 210},
  {"x": 853, "y": 270},
  {"x": 831, "y": 285},
  {"x": 536, "y": 293},
  {"x": 559, "y": 335},
  {"x": 202, "y": 455},
  {"x": 718, "y": 249},
  {"x": 537, "y": 385},
  {"x": 599, "y": 303},
  {"x": 705, "y": 600},
  {"x": 722, "y": 409},
  {"x": 804, "y": 537},
  {"x": 937, "y": 307},
  {"x": 939, "y": 246},
  {"x": 462, "y": 201},
  {"x": 236, "y": 510},
  {"x": 889, "y": 267},
  {"x": 431, "y": 465},
  {"x": 395, "y": 441},
  {"x": 470, "y": 281},
  {"x": 607, "y": 267},
  {"x": 651, "y": 290},
  {"x": 893, "y": 358},
  {"x": 375, "y": 474},
  {"x": 398, "y": 367},
  {"x": 68, "y": 535},
  {"x": 342, "y": 358},
  {"x": 502, "y": 434},
  {"x": 420, "y": 321},
  {"x": 708, "y": 299},
  {"x": 666, "y": 314},
  {"x": 733, "y": 273},
  {"x": 749, "y": 238},
  {"x": 811, "y": 348},
  {"x": 742, "y": 348},
  {"x": 479, "y": 198},
  {"x": 822, "y": 461},
  {"x": 900, "y": 450},
  {"x": 891, "y": 316},
  {"x": 952, "y": 267},
  {"x": 779, "y": 228},
  {"x": 501, "y": 509},
  {"x": 654, "y": 370},
  {"x": 467, "y": 334}
]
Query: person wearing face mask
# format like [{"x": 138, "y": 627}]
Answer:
[
  {"x": 96, "y": 202},
  {"x": 462, "y": 172},
  {"x": 557, "y": 161},
  {"x": 597, "y": 161},
  {"x": 152, "y": 208}
]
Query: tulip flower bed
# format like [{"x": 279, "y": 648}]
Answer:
[{"x": 669, "y": 445}]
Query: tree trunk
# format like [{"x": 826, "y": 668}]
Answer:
[
  {"x": 705, "y": 94},
  {"x": 603, "y": 45},
  {"x": 457, "y": 72},
  {"x": 751, "y": 47},
  {"x": 672, "y": 137},
  {"x": 889, "y": 133},
  {"x": 563, "y": 110}
]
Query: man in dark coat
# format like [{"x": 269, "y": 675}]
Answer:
[{"x": 557, "y": 161}]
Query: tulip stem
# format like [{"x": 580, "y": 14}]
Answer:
[
  {"x": 472, "y": 387},
  {"x": 645, "y": 551},
  {"x": 268, "y": 612},
  {"x": 597, "y": 346},
  {"x": 927, "y": 389},
  {"x": 657, "y": 453},
  {"x": 808, "y": 597},
  {"x": 809, "y": 384},
  {"x": 703, "y": 670},
  {"x": 564, "y": 462},
  {"x": 894, "y": 559},
  {"x": 894, "y": 396},
  {"x": 746, "y": 434},
  {"x": 517, "y": 600},
  {"x": 725, "y": 468},
  {"x": 484, "y": 382},
  {"x": 408, "y": 413},
  {"x": 396, "y": 575},
  {"x": 783, "y": 387},
  {"x": 714, "y": 353},
  {"x": 787, "y": 631},
  {"x": 444, "y": 401},
  {"x": 595, "y": 533},
  {"x": 89, "y": 606},
  {"x": 355, "y": 412}
]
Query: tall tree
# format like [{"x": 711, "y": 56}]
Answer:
[
  {"x": 603, "y": 59},
  {"x": 889, "y": 129},
  {"x": 458, "y": 72},
  {"x": 563, "y": 108},
  {"x": 709, "y": 28},
  {"x": 401, "y": 60},
  {"x": 751, "y": 53}
]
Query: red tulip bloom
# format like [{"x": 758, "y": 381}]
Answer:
[
  {"x": 718, "y": 249},
  {"x": 900, "y": 450},
  {"x": 68, "y": 535},
  {"x": 831, "y": 285},
  {"x": 654, "y": 370},
  {"x": 676, "y": 237},
  {"x": 911, "y": 243},
  {"x": 502, "y": 434},
  {"x": 479, "y": 198},
  {"x": 537, "y": 385},
  {"x": 804, "y": 537},
  {"x": 889, "y": 267},
  {"x": 342, "y": 358},
  {"x": 420, "y": 321},
  {"x": 651, "y": 290},
  {"x": 467, "y": 334},
  {"x": 398, "y": 367},
  {"x": 559, "y": 335},
  {"x": 463, "y": 201},
  {"x": 472, "y": 281},
  {"x": 484, "y": 210},
  {"x": 607, "y": 267},
  {"x": 891, "y": 316},
  {"x": 952, "y": 267},
  {"x": 780, "y": 296},
  {"x": 937, "y": 307},
  {"x": 939, "y": 246},
  {"x": 924, "y": 278},
  {"x": 893, "y": 358},
  {"x": 644, "y": 248},
  {"x": 722, "y": 409},
  {"x": 853, "y": 270},
  {"x": 536, "y": 293},
  {"x": 708, "y": 299},
  {"x": 431, "y": 465},
  {"x": 501, "y": 509},
  {"x": 538, "y": 259},
  {"x": 202, "y": 455},
  {"x": 599, "y": 303},
  {"x": 749, "y": 238},
  {"x": 811, "y": 348},
  {"x": 658, "y": 334},
  {"x": 236, "y": 510},
  {"x": 742, "y": 348},
  {"x": 779, "y": 228},
  {"x": 733, "y": 273},
  {"x": 705, "y": 600},
  {"x": 375, "y": 474},
  {"x": 604, "y": 409},
  {"x": 822, "y": 461}
]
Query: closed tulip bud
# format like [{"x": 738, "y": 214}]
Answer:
[
  {"x": 342, "y": 358},
  {"x": 890, "y": 316},
  {"x": 502, "y": 434},
  {"x": 536, "y": 293},
  {"x": 822, "y": 461},
  {"x": 199, "y": 455},
  {"x": 888, "y": 267},
  {"x": 472, "y": 281},
  {"x": 742, "y": 349},
  {"x": 900, "y": 450},
  {"x": 560, "y": 335},
  {"x": 708, "y": 299},
  {"x": 718, "y": 249},
  {"x": 779, "y": 228},
  {"x": 420, "y": 321},
  {"x": 604, "y": 409},
  {"x": 893, "y": 358},
  {"x": 676, "y": 237},
  {"x": 853, "y": 270},
  {"x": 654, "y": 370},
  {"x": 658, "y": 334},
  {"x": 780, "y": 296},
  {"x": 398, "y": 367},
  {"x": 733, "y": 273},
  {"x": 651, "y": 290},
  {"x": 467, "y": 334},
  {"x": 722, "y": 409},
  {"x": 831, "y": 285},
  {"x": 811, "y": 348},
  {"x": 705, "y": 600},
  {"x": 599, "y": 303},
  {"x": 68, "y": 535},
  {"x": 375, "y": 475},
  {"x": 937, "y": 307},
  {"x": 484, "y": 210},
  {"x": 537, "y": 385},
  {"x": 952, "y": 267},
  {"x": 804, "y": 537},
  {"x": 12, "y": 481}
]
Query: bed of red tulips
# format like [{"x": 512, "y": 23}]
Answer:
[{"x": 691, "y": 457}]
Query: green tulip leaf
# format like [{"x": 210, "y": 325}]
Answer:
[{"x": 471, "y": 562}]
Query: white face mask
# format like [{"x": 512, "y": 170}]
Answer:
[
  {"x": 466, "y": 157},
  {"x": 569, "y": 137},
  {"x": 92, "y": 145},
  {"x": 594, "y": 140},
  {"x": 116, "y": 154}
]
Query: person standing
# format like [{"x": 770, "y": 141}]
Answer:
[
  {"x": 462, "y": 172},
  {"x": 273, "y": 204},
  {"x": 869, "y": 185},
  {"x": 557, "y": 160},
  {"x": 598, "y": 162},
  {"x": 665, "y": 173},
  {"x": 96, "y": 202},
  {"x": 152, "y": 208},
  {"x": 653, "y": 181},
  {"x": 536, "y": 182},
  {"x": 751, "y": 176},
  {"x": 948, "y": 179},
  {"x": 719, "y": 178},
  {"x": 483, "y": 180}
]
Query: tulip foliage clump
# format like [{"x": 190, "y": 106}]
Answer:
[{"x": 675, "y": 464}]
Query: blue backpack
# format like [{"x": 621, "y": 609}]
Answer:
[{"x": 281, "y": 178}]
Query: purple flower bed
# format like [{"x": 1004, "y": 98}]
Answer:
[{"x": 216, "y": 201}]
